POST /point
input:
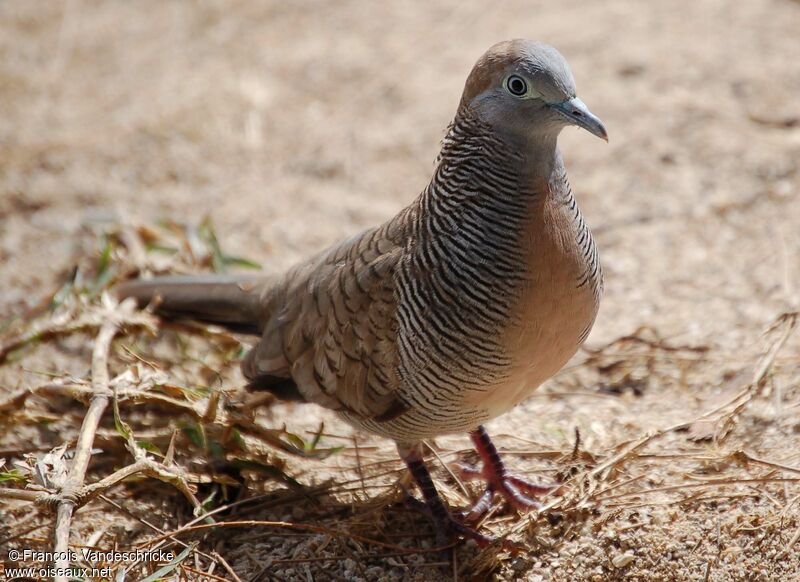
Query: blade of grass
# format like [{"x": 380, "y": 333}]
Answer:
[{"x": 166, "y": 569}]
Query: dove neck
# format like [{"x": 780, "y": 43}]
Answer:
[
  {"x": 476, "y": 157},
  {"x": 541, "y": 156},
  {"x": 543, "y": 171}
]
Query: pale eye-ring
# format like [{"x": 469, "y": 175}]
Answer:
[{"x": 516, "y": 85}]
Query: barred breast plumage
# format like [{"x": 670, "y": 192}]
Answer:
[{"x": 455, "y": 309}]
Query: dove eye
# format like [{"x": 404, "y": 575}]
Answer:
[{"x": 516, "y": 85}]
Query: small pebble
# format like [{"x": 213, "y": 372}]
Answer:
[{"x": 621, "y": 560}]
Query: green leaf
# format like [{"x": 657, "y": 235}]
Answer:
[
  {"x": 196, "y": 434},
  {"x": 317, "y": 436},
  {"x": 164, "y": 570},
  {"x": 240, "y": 262},
  {"x": 208, "y": 503},
  {"x": 12, "y": 475},
  {"x": 64, "y": 291},
  {"x": 216, "y": 450},
  {"x": 105, "y": 269},
  {"x": 293, "y": 444},
  {"x": 120, "y": 425},
  {"x": 238, "y": 353},
  {"x": 324, "y": 453},
  {"x": 238, "y": 438},
  {"x": 149, "y": 447},
  {"x": 296, "y": 441},
  {"x": 220, "y": 261},
  {"x": 208, "y": 236}
]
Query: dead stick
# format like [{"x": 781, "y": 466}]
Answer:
[
  {"x": 22, "y": 494},
  {"x": 86, "y": 493},
  {"x": 83, "y": 453}
]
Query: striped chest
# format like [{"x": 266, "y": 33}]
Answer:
[
  {"x": 498, "y": 286},
  {"x": 459, "y": 284}
]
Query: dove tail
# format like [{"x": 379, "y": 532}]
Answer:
[{"x": 233, "y": 302}]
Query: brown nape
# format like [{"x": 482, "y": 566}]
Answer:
[{"x": 488, "y": 71}]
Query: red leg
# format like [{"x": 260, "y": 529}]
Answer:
[
  {"x": 516, "y": 491},
  {"x": 447, "y": 526}
]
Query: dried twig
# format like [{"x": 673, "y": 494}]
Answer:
[
  {"x": 80, "y": 463},
  {"x": 68, "y": 323}
]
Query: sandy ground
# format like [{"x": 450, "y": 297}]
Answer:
[{"x": 295, "y": 124}]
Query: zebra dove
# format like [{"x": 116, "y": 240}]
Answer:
[{"x": 454, "y": 310}]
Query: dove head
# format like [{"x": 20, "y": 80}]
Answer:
[{"x": 525, "y": 89}]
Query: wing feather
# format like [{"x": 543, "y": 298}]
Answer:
[{"x": 332, "y": 327}]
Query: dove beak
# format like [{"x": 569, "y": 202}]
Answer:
[{"x": 578, "y": 114}]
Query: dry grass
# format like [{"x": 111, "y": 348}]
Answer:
[
  {"x": 354, "y": 521},
  {"x": 124, "y": 125}
]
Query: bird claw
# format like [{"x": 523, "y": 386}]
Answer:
[
  {"x": 518, "y": 492},
  {"x": 448, "y": 528}
]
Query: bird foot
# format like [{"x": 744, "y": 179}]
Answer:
[
  {"x": 518, "y": 492},
  {"x": 448, "y": 528}
]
